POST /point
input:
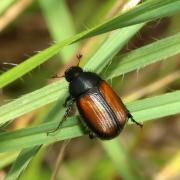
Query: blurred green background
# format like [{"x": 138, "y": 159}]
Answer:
[{"x": 28, "y": 26}]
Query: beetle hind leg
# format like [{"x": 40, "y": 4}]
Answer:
[{"x": 133, "y": 120}]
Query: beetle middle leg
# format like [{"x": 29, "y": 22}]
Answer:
[
  {"x": 133, "y": 120},
  {"x": 68, "y": 104}
]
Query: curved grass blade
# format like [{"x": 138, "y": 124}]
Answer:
[
  {"x": 142, "y": 110},
  {"x": 7, "y": 158},
  {"x": 24, "y": 158},
  {"x": 122, "y": 160},
  {"x": 34, "y": 100},
  {"x": 130, "y": 61},
  {"x": 145, "y": 12},
  {"x": 113, "y": 44},
  {"x": 57, "y": 15},
  {"x": 136, "y": 59}
]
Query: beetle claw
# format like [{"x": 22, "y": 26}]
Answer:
[{"x": 134, "y": 121}]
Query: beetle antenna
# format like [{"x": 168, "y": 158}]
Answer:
[
  {"x": 56, "y": 76},
  {"x": 79, "y": 56}
]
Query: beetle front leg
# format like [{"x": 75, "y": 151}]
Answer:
[
  {"x": 69, "y": 104},
  {"x": 67, "y": 100}
]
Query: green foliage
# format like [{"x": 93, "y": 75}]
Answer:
[
  {"x": 148, "y": 11},
  {"x": 126, "y": 25}
]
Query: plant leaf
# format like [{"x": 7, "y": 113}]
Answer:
[
  {"x": 145, "y": 12},
  {"x": 136, "y": 59},
  {"x": 142, "y": 110}
]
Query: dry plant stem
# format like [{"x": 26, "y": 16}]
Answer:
[
  {"x": 13, "y": 12},
  {"x": 154, "y": 86},
  {"x": 59, "y": 159}
]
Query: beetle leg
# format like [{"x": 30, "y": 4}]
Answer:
[
  {"x": 92, "y": 135},
  {"x": 69, "y": 103},
  {"x": 67, "y": 100},
  {"x": 133, "y": 120}
]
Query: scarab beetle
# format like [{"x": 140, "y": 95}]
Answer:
[{"x": 101, "y": 109}]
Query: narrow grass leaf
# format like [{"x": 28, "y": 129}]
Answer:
[
  {"x": 142, "y": 110},
  {"x": 24, "y": 158},
  {"x": 121, "y": 159},
  {"x": 134, "y": 60},
  {"x": 112, "y": 45},
  {"x": 154, "y": 52},
  {"x": 7, "y": 158},
  {"x": 55, "y": 113},
  {"x": 60, "y": 24},
  {"x": 145, "y": 12},
  {"x": 156, "y": 107},
  {"x": 34, "y": 100}
]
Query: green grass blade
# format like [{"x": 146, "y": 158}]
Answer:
[
  {"x": 130, "y": 61},
  {"x": 142, "y": 110},
  {"x": 24, "y": 158},
  {"x": 154, "y": 52},
  {"x": 120, "y": 157},
  {"x": 147, "y": 11},
  {"x": 7, "y": 158},
  {"x": 156, "y": 107},
  {"x": 55, "y": 114},
  {"x": 42, "y": 138},
  {"x": 34, "y": 100},
  {"x": 111, "y": 47},
  {"x": 60, "y": 24}
]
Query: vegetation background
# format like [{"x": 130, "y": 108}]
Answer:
[{"x": 137, "y": 52}]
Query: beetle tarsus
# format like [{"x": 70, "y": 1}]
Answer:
[
  {"x": 69, "y": 103},
  {"x": 134, "y": 121},
  {"x": 66, "y": 101}
]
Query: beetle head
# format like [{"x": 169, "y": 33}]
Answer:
[{"x": 72, "y": 73}]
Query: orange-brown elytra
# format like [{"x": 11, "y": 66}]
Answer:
[{"x": 101, "y": 109}]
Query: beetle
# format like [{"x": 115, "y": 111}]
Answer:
[{"x": 101, "y": 109}]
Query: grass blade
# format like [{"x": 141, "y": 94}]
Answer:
[
  {"x": 7, "y": 159},
  {"x": 145, "y": 12},
  {"x": 154, "y": 52},
  {"x": 111, "y": 47},
  {"x": 121, "y": 158},
  {"x": 142, "y": 110},
  {"x": 134, "y": 60},
  {"x": 24, "y": 158},
  {"x": 57, "y": 15},
  {"x": 31, "y": 101}
]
